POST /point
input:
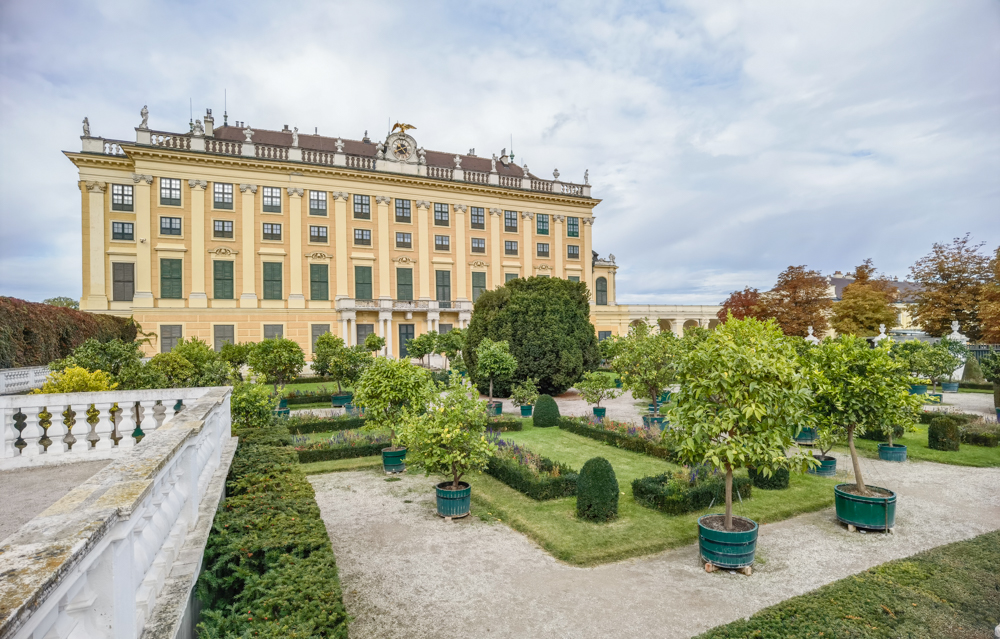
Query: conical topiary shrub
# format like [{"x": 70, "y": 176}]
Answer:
[
  {"x": 597, "y": 491},
  {"x": 972, "y": 373},
  {"x": 546, "y": 412}
]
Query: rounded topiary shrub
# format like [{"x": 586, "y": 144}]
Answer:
[
  {"x": 777, "y": 480},
  {"x": 597, "y": 491},
  {"x": 943, "y": 433},
  {"x": 546, "y": 412}
]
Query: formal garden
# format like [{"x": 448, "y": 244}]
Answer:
[{"x": 734, "y": 429}]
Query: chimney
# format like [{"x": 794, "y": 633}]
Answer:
[{"x": 209, "y": 124}]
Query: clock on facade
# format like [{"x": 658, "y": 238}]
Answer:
[{"x": 401, "y": 149}]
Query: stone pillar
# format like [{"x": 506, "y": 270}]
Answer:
[
  {"x": 197, "y": 297},
  {"x": 496, "y": 248},
  {"x": 349, "y": 321},
  {"x": 143, "y": 296},
  {"x": 527, "y": 221},
  {"x": 248, "y": 296},
  {"x": 461, "y": 267},
  {"x": 340, "y": 242},
  {"x": 423, "y": 249},
  {"x": 677, "y": 327},
  {"x": 586, "y": 255},
  {"x": 558, "y": 232},
  {"x": 98, "y": 297},
  {"x": 382, "y": 229},
  {"x": 295, "y": 297},
  {"x": 385, "y": 330}
]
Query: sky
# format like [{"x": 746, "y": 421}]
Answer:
[{"x": 727, "y": 140}]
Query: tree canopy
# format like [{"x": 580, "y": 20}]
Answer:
[
  {"x": 741, "y": 305},
  {"x": 953, "y": 278}
]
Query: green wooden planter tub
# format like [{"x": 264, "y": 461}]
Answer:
[
  {"x": 827, "y": 466},
  {"x": 949, "y": 387},
  {"x": 393, "y": 461},
  {"x": 339, "y": 401},
  {"x": 650, "y": 420},
  {"x": 872, "y": 513},
  {"x": 494, "y": 409},
  {"x": 526, "y": 410},
  {"x": 894, "y": 453},
  {"x": 918, "y": 389},
  {"x": 727, "y": 549},
  {"x": 599, "y": 412},
  {"x": 454, "y": 503},
  {"x": 806, "y": 437}
]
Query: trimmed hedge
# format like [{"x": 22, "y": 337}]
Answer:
[
  {"x": 777, "y": 481},
  {"x": 305, "y": 425},
  {"x": 987, "y": 386},
  {"x": 546, "y": 412},
  {"x": 33, "y": 334},
  {"x": 539, "y": 487},
  {"x": 269, "y": 570},
  {"x": 345, "y": 452},
  {"x": 597, "y": 491},
  {"x": 675, "y": 495},
  {"x": 943, "y": 433},
  {"x": 505, "y": 424},
  {"x": 981, "y": 434},
  {"x": 634, "y": 444},
  {"x": 879, "y": 436},
  {"x": 963, "y": 418}
]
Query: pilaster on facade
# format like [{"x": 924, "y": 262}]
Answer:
[
  {"x": 587, "y": 230},
  {"x": 295, "y": 297},
  {"x": 383, "y": 230},
  {"x": 97, "y": 299},
  {"x": 529, "y": 246},
  {"x": 197, "y": 298},
  {"x": 496, "y": 248},
  {"x": 143, "y": 295},
  {"x": 340, "y": 240},
  {"x": 248, "y": 230},
  {"x": 423, "y": 249},
  {"x": 461, "y": 281},
  {"x": 558, "y": 232}
]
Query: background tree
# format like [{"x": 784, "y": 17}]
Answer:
[
  {"x": 596, "y": 387},
  {"x": 646, "y": 361},
  {"x": 861, "y": 310},
  {"x": 209, "y": 368},
  {"x": 546, "y": 321},
  {"x": 122, "y": 360},
  {"x": 741, "y": 305},
  {"x": 952, "y": 279},
  {"x": 64, "y": 302},
  {"x": 741, "y": 398},
  {"x": 374, "y": 343},
  {"x": 989, "y": 306},
  {"x": 450, "y": 344},
  {"x": 799, "y": 299},
  {"x": 176, "y": 370},
  {"x": 422, "y": 346},
  {"x": 494, "y": 363},
  {"x": 236, "y": 355},
  {"x": 387, "y": 387},
  {"x": 277, "y": 360}
]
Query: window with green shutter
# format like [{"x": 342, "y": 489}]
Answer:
[
  {"x": 222, "y": 273},
  {"x": 478, "y": 285},
  {"x": 319, "y": 281},
  {"x": 171, "y": 274},
  {"x": 362, "y": 282},
  {"x": 404, "y": 284},
  {"x": 572, "y": 227},
  {"x": 443, "y": 281},
  {"x": 272, "y": 280}
]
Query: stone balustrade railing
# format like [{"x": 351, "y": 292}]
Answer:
[
  {"x": 348, "y": 304},
  {"x": 56, "y": 428},
  {"x": 224, "y": 147},
  {"x": 120, "y": 553},
  {"x": 18, "y": 380}
]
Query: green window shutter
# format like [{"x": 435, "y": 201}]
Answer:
[
  {"x": 362, "y": 282},
  {"x": 272, "y": 280},
  {"x": 222, "y": 273},
  {"x": 171, "y": 277},
  {"x": 319, "y": 281},
  {"x": 572, "y": 227},
  {"x": 404, "y": 284},
  {"x": 478, "y": 285},
  {"x": 443, "y": 279}
]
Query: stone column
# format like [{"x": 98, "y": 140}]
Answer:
[
  {"x": 677, "y": 326},
  {"x": 527, "y": 221},
  {"x": 382, "y": 229},
  {"x": 423, "y": 249},
  {"x": 98, "y": 297},
  {"x": 340, "y": 242},
  {"x": 143, "y": 296},
  {"x": 197, "y": 297},
  {"x": 248, "y": 231},
  {"x": 496, "y": 248},
  {"x": 557, "y": 234},
  {"x": 295, "y": 297},
  {"x": 385, "y": 330},
  {"x": 586, "y": 255},
  {"x": 461, "y": 267}
]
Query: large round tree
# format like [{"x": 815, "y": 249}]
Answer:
[{"x": 546, "y": 322}]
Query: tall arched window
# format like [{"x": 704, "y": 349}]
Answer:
[{"x": 602, "y": 291}]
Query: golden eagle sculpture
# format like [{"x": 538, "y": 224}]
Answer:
[{"x": 403, "y": 128}]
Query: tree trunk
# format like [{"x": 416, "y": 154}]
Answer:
[
  {"x": 454, "y": 476},
  {"x": 862, "y": 489},
  {"x": 889, "y": 433},
  {"x": 996, "y": 394},
  {"x": 340, "y": 391},
  {"x": 729, "y": 497},
  {"x": 491, "y": 390}
]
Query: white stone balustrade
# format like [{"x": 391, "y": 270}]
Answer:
[
  {"x": 56, "y": 428},
  {"x": 118, "y": 556},
  {"x": 18, "y": 380}
]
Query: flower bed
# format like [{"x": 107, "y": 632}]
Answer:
[
  {"x": 687, "y": 490},
  {"x": 504, "y": 424},
  {"x": 981, "y": 433},
  {"x": 537, "y": 477},
  {"x": 341, "y": 445},
  {"x": 305, "y": 424},
  {"x": 638, "y": 439},
  {"x": 269, "y": 570}
]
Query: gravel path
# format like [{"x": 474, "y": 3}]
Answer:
[
  {"x": 28, "y": 491},
  {"x": 407, "y": 573},
  {"x": 981, "y": 403}
]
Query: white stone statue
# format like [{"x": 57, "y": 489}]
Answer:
[
  {"x": 86, "y": 128},
  {"x": 248, "y": 132},
  {"x": 145, "y": 118},
  {"x": 881, "y": 334},
  {"x": 379, "y": 151},
  {"x": 295, "y": 137},
  {"x": 955, "y": 335},
  {"x": 586, "y": 176},
  {"x": 493, "y": 164},
  {"x": 525, "y": 168},
  {"x": 340, "y": 144},
  {"x": 611, "y": 257},
  {"x": 555, "y": 174},
  {"x": 421, "y": 156},
  {"x": 458, "y": 162},
  {"x": 812, "y": 339},
  {"x": 199, "y": 128}
]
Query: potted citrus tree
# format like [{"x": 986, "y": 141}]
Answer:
[
  {"x": 449, "y": 439},
  {"x": 647, "y": 364},
  {"x": 741, "y": 396},
  {"x": 524, "y": 395},
  {"x": 595, "y": 388},
  {"x": 863, "y": 388},
  {"x": 277, "y": 361},
  {"x": 494, "y": 362},
  {"x": 387, "y": 388}
]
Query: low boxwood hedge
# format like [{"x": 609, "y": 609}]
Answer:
[
  {"x": 579, "y": 426},
  {"x": 973, "y": 386},
  {"x": 674, "y": 494},
  {"x": 505, "y": 425},
  {"x": 963, "y": 418},
  {"x": 981, "y": 434},
  {"x": 537, "y": 486},
  {"x": 346, "y": 452},
  {"x": 309, "y": 424}
]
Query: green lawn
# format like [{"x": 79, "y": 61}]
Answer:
[
  {"x": 313, "y": 386},
  {"x": 916, "y": 448},
  {"x": 638, "y": 530},
  {"x": 950, "y": 591},
  {"x": 975, "y": 390},
  {"x": 337, "y": 465}
]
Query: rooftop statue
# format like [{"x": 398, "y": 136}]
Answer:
[
  {"x": 403, "y": 128},
  {"x": 145, "y": 118},
  {"x": 295, "y": 136},
  {"x": 249, "y": 133},
  {"x": 86, "y": 128}
]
